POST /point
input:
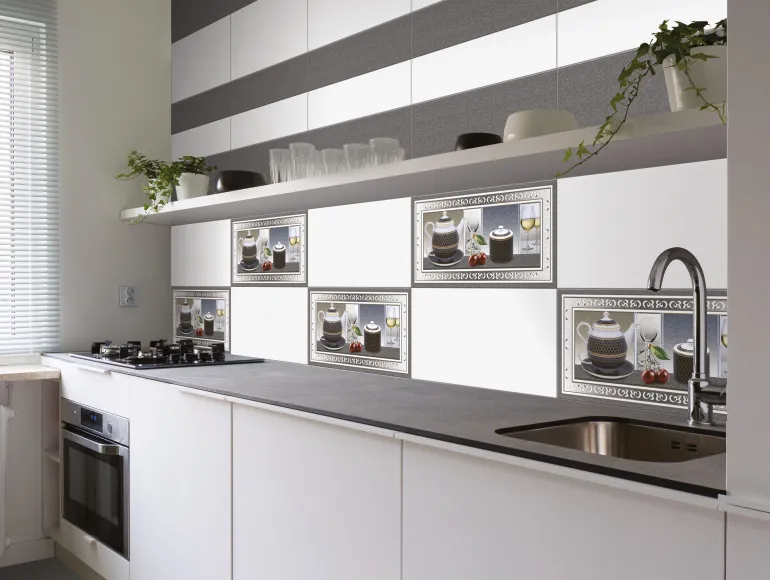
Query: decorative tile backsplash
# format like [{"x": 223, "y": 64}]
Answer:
[
  {"x": 202, "y": 316},
  {"x": 492, "y": 237},
  {"x": 364, "y": 330},
  {"x": 270, "y": 251},
  {"x": 632, "y": 347}
]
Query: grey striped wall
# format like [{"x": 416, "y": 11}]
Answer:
[{"x": 582, "y": 80}]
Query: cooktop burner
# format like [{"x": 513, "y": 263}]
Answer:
[{"x": 161, "y": 354}]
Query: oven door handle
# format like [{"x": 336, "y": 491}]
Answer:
[{"x": 95, "y": 446}]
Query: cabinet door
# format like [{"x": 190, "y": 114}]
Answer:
[
  {"x": 312, "y": 500},
  {"x": 466, "y": 517},
  {"x": 747, "y": 543},
  {"x": 180, "y": 483}
]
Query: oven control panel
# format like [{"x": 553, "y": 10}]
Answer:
[{"x": 112, "y": 427}]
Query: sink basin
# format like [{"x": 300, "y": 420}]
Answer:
[{"x": 623, "y": 438}]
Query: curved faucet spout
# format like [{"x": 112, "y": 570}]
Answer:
[{"x": 700, "y": 374}]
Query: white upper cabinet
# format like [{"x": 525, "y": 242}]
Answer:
[
  {"x": 312, "y": 500},
  {"x": 180, "y": 478}
]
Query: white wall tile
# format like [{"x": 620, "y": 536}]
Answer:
[
  {"x": 366, "y": 245},
  {"x": 201, "y": 61},
  {"x": 375, "y": 92},
  {"x": 611, "y": 227},
  {"x": 201, "y": 141},
  {"x": 493, "y": 338},
  {"x": 332, "y": 20},
  {"x": 419, "y": 4},
  {"x": 200, "y": 254},
  {"x": 269, "y": 323},
  {"x": 272, "y": 121},
  {"x": 509, "y": 54},
  {"x": 625, "y": 24},
  {"x": 267, "y": 32}
]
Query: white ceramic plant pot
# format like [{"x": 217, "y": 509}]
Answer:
[
  {"x": 537, "y": 122},
  {"x": 710, "y": 74},
  {"x": 192, "y": 185}
]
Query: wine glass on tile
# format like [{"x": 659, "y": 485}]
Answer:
[
  {"x": 294, "y": 243},
  {"x": 537, "y": 226},
  {"x": 397, "y": 329},
  {"x": 352, "y": 316},
  {"x": 472, "y": 224},
  {"x": 723, "y": 332},
  {"x": 220, "y": 315},
  {"x": 391, "y": 313},
  {"x": 527, "y": 223},
  {"x": 648, "y": 331}
]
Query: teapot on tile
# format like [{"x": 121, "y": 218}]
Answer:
[
  {"x": 185, "y": 316},
  {"x": 248, "y": 247},
  {"x": 332, "y": 325},
  {"x": 606, "y": 343},
  {"x": 444, "y": 236}
]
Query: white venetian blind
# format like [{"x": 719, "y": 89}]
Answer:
[{"x": 29, "y": 223}]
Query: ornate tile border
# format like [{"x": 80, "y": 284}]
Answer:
[
  {"x": 195, "y": 298},
  {"x": 273, "y": 277},
  {"x": 635, "y": 302},
  {"x": 395, "y": 363},
  {"x": 531, "y": 271}
]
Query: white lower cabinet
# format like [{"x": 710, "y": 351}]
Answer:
[
  {"x": 313, "y": 501},
  {"x": 748, "y": 540},
  {"x": 180, "y": 477},
  {"x": 466, "y": 517}
]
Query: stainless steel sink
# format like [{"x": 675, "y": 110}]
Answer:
[{"x": 622, "y": 438}]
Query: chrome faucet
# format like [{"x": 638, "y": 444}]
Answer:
[{"x": 701, "y": 398}]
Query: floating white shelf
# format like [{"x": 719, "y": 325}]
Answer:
[{"x": 666, "y": 139}]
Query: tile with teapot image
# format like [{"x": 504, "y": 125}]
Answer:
[
  {"x": 368, "y": 331},
  {"x": 202, "y": 316},
  {"x": 635, "y": 348},
  {"x": 492, "y": 237},
  {"x": 270, "y": 251}
]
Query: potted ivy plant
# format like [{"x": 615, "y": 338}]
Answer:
[
  {"x": 693, "y": 58},
  {"x": 189, "y": 175}
]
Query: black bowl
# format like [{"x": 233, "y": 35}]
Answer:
[
  {"x": 473, "y": 140},
  {"x": 233, "y": 180}
]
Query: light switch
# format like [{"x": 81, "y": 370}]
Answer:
[{"x": 128, "y": 296}]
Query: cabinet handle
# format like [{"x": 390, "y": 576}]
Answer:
[
  {"x": 96, "y": 370},
  {"x": 204, "y": 394},
  {"x": 89, "y": 540}
]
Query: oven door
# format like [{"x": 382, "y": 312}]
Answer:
[{"x": 95, "y": 487}]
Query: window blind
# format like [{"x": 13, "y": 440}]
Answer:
[{"x": 29, "y": 222}]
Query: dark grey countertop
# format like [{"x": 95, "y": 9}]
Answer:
[{"x": 456, "y": 414}]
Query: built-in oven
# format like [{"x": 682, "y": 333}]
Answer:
[{"x": 95, "y": 474}]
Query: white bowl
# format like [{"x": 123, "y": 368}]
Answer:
[{"x": 536, "y": 122}]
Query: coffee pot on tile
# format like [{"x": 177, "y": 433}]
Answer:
[
  {"x": 444, "y": 236},
  {"x": 606, "y": 343},
  {"x": 332, "y": 325}
]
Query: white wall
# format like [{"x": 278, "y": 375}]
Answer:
[{"x": 115, "y": 75}]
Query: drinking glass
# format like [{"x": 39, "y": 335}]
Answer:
[
  {"x": 527, "y": 223},
  {"x": 294, "y": 243},
  {"x": 303, "y": 157},
  {"x": 334, "y": 161},
  {"x": 537, "y": 226},
  {"x": 352, "y": 316},
  {"x": 358, "y": 155},
  {"x": 400, "y": 154},
  {"x": 398, "y": 326},
  {"x": 472, "y": 223},
  {"x": 723, "y": 332},
  {"x": 220, "y": 315},
  {"x": 280, "y": 165},
  {"x": 391, "y": 314},
  {"x": 384, "y": 150},
  {"x": 723, "y": 340}
]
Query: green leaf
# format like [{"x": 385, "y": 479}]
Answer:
[
  {"x": 567, "y": 155},
  {"x": 357, "y": 331},
  {"x": 480, "y": 239},
  {"x": 268, "y": 252},
  {"x": 582, "y": 150},
  {"x": 642, "y": 50},
  {"x": 659, "y": 353}
]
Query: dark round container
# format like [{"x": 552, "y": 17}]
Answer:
[
  {"x": 473, "y": 140},
  {"x": 233, "y": 180},
  {"x": 372, "y": 337},
  {"x": 208, "y": 324},
  {"x": 683, "y": 354},
  {"x": 279, "y": 256},
  {"x": 501, "y": 245}
]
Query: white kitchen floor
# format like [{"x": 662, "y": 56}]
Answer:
[{"x": 41, "y": 570}]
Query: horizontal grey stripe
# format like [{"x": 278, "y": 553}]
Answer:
[
  {"x": 367, "y": 51},
  {"x": 567, "y": 4},
  {"x": 433, "y": 28},
  {"x": 188, "y": 16},
  {"x": 453, "y": 22},
  {"x": 586, "y": 88},
  {"x": 284, "y": 80},
  {"x": 431, "y": 128}
]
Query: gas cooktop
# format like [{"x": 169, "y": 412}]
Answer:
[{"x": 162, "y": 355}]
